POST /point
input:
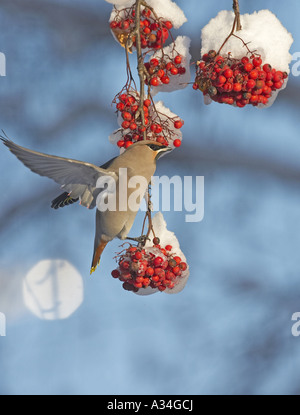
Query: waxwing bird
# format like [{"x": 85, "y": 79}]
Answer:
[{"x": 80, "y": 182}]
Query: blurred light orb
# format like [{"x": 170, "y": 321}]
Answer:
[{"x": 53, "y": 289}]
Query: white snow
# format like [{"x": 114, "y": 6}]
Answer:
[
  {"x": 165, "y": 9},
  {"x": 121, "y": 3},
  {"x": 169, "y": 11},
  {"x": 165, "y": 116},
  {"x": 262, "y": 31},
  {"x": 115, "y": 136},
  {"x": 166, "y": 238},
  {"x": 161, "y": 114},
  {"x": 181, "y": 47}
]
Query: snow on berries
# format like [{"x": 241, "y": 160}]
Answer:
[
  {"x": 154, "y": 26},
  {"x": 169, "y": 68},
  {"x": 159, "y": 266},
  {"x": 161, "y": 124},
  {"x": 251, "y": 66},
  {"x": 166, "y": 10},
  {"x": 238, "y": 82}
]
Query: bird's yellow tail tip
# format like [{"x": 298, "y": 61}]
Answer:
[
  {"x": 97, "y": 255},
  {"x": 93, "y": 269}
]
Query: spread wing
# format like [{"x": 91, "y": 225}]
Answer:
[{"x": 73, "y": 175}]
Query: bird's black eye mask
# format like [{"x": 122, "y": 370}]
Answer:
[{"x": 155, "y": 147}]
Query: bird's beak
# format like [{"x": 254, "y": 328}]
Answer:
[{"x": 161, "y": 152}]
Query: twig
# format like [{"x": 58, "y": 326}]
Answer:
[
  {"x": 228, "y": 37},
  {"x": 236, "y": 24},
  {"x": 236, "y": 9}
]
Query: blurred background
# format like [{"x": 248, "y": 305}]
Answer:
[{"x": 229, "y": 331}]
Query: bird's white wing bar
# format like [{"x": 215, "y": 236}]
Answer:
[{"x": 62, "y": 170}]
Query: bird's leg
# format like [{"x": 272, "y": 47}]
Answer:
[{"x": 140, "y": 239}]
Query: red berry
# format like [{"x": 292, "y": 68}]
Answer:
[
  {"x": 278, "y": 76},
  {"x": 251, "y": 84},
  {"x": 221, "y": 80},
  {"x": 150, "y": 271},
  {"x": 168, "y": 25},
  {"x": 257, "y": 61},
  {"x": 154, "y": 62},
  {"x": 121, "y": 143},
  {"x": 134, "y": 108},
  {"x": 248, "y": 67},
  {"x": 176, "y": 270},
  {"x": 267, "y": 68},
  {"x": 254, "y": 98},
  {"x": 138, "y": 284},
  {"x": 168, "y": 247},
  {"x": 178, "y": 59},
  {"x": 253, "y": 74},
  {"x": 165, "y": 79},
  {"x": 177, "y": 259},
  {"x": 138, "y": 255},
  {"x": 161, "y": 139},
  {"x": 228, "y": 73},
  {"x": 123, "y": 97},
  {"x": 154, "y": 81},
  {"x": 128, "y": 143},
  {"x": 278, "y": 85},
  {"x": 147, "y": 102},
  {"x": 126, "y": 116},
  {"x": 125, "y": 124},
  {"x": 174, "y": 71},
  {"x": 133, "y": 126},
  {"x": 262, "y": 75},
  {"x": 177, "y": 142},
  {"x": 237, "y": 87},
  {"x": 146, "y": 282},
  {"x": 160, "y": 73},
  {"x": 178, "y": 124},
  {"x": 245, "y": 60},
  {"x": 157, "y": 261},
  {"x": 120, "y": 106},
  {"x": 115, "y": 273}
]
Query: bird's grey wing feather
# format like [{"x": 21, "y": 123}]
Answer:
[
  {"x": 73, "y": 175},
  {"x": 62, "y": 170}
]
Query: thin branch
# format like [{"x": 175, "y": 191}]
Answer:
[
  {"x": 236, "y": 9},
  {"x": 229, "y": 36}
]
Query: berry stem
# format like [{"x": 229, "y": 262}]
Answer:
[
  {"x": 236, "y": 24},
  {"x": 236, "y": 9}
]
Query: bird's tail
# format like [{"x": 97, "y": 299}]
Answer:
[{"x": 97, "y": 255}]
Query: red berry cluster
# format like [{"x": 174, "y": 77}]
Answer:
[
  {"x": 160, "y": 70},
  {"x": 154, "y": 32},
  {"x": 237, "y": 81},
  {"x": 127, "y": 105},
  {"x": 140, "y": 268}
]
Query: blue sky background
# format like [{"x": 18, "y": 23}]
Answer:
[{"x": 229, "y": 331}]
